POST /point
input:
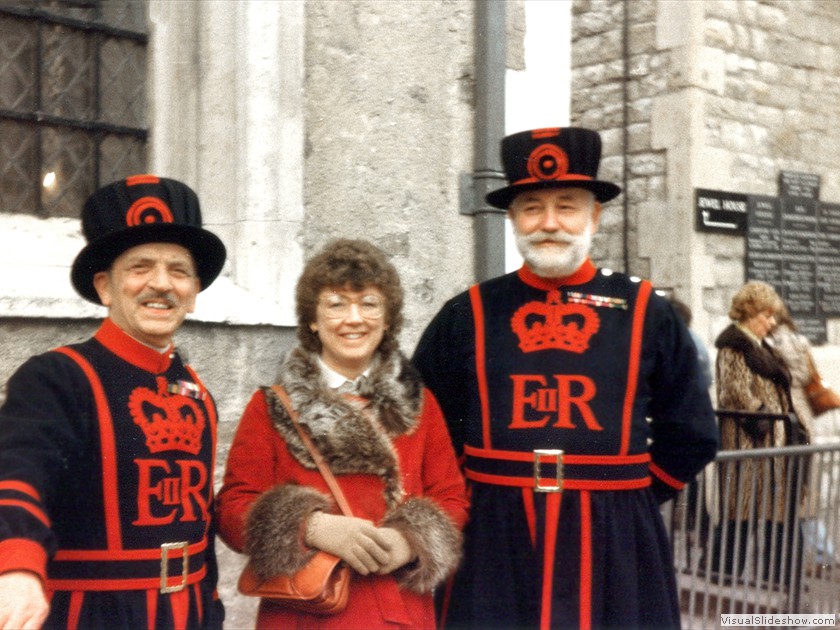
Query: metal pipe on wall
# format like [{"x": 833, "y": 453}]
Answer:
[{"x": 490, "y": 66}]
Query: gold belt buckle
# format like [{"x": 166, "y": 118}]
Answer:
[
  {"x": 165, "y": 548},
  {"x": 557, "y": 454}
]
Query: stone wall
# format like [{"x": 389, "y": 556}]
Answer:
[
  {"x": 716, "y": 94},
  {"x": 388, "y": 91}
]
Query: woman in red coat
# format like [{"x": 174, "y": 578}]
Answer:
[{"x": 384, "y": 438}]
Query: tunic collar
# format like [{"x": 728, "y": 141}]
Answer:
[
  {"x": 584, "y": 274},
  {"x": 129, "y": 349}
]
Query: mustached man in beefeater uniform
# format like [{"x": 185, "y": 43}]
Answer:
[
  {"x": 560, "y": 355},
  {"x": 107, "y": 446}
]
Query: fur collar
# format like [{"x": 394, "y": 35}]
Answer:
[
  {"x": 760, "y": 359},
  {"x": 351, "y": 439}
]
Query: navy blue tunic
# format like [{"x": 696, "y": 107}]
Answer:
[
  {"x": 107, "y": 454},
  {"x": 599, "y": 366}
]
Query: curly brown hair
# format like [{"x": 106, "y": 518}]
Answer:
[
  {"x": 356, "y": 264},
  {"x": 753, "y": 298}
]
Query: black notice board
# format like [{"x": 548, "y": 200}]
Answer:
[
  {"x": 827, "y": 245},
  {"x": 720, "y": 211},
  {"x": 794, "y": 245}
]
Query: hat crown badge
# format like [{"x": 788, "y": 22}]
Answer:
[
  {"x": 548, "y": 162},
  {"x": 148, "y": 210}
]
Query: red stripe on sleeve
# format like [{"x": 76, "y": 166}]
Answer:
[
  {"x": 23, "y": 554},
  {"x": 32, "y": 509},
  {"x": 22, "y": 487},
  {"x": 665, "y": 477}
]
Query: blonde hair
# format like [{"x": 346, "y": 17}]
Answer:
[{"x": 753, "y": 298}]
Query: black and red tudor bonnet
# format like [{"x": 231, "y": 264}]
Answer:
[
  {"x": 556, "y": 157},
  {"x": 137, "y": 210}
]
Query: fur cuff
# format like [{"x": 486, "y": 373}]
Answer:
[
  {"x": 435, "y": 539},
  {"x": 275, "y": 528}
]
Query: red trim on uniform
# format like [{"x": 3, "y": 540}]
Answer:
[
  {"x": 23, "y": 554},
  {"x": 77, "y": 598},
  {"x": 633, "y": 365},
  {"x": 568, "y": 484},
  {"x": 103, "y": 555},
  {"x": 125, "y": 584},
  {"x": 585, "y": 561},
  {"x": 552, "y": 518},
  {"x": 180, "y": 603},
  {"x": 213, "y": 420},
  {"x": 32, "y": 509},
  {"x": 151, "y": 608},
  {"x": 530, "y": 514},
  {"x": 665, "y": 477},
  {"x": 198, "y": 602},
  {"x": 141, "y": 179},
  {"x": 526, "y": 456},
  {"x": 584, "y": 274},
  {"x": 22, "y": 487},
  {"x": 481, "y": 374},
  {"x": 113, "y": 529},
  {"x": 536, "y": 180},
  {"x": 129, "y": 349}
]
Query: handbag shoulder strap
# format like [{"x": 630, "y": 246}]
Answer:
[{"x": 313, "y": 450}]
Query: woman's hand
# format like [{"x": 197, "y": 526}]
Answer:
[
  {"x": 399, "y": 551},
  {"x": 356, "y": 541}
]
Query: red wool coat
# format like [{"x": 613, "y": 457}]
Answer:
[{"x": 399, "y": 471}]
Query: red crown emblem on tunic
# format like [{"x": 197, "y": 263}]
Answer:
[
  {"x": 553, "y": 325},
  {"x": 170, "y": 423}
]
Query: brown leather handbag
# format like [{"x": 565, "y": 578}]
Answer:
[
  {"x": 821, "y": 397},
  {"x": 322, "y": 586}
]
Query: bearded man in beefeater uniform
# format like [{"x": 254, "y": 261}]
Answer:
[
  {"x": 573, "y": 395},
  {"x": 107, "y": 447}
]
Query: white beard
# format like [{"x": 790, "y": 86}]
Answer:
[{"x": 557, "y": 261}]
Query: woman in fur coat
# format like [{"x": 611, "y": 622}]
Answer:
[
  {"x": 751, "y": 377},
  {"x": 382, "y": 435}
]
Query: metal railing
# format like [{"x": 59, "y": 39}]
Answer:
[{"x": 758, "y": 531}]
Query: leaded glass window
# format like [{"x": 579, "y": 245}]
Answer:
[{"x": 72, "y": 101}]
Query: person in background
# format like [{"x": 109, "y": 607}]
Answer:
[
  {"x": 794, "y": 349},
  {"x": 751, "y": 377},
  {"x": 684, "y": 311},
  {"x": 107, "y": 447},
  {"x": 573, "y": 395},
  {"x": 383, "y": 436}
]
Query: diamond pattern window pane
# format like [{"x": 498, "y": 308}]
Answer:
[
  {"x": 121, "y": 156},
  {"x": 70, "y": 156},
  {"x": 123, "y": 75},
  {"x": 72, "y": 100},
  {"x": 18, "y": 61},
  {"x": 18, "y": 144},
  {"x": 68, "y": 85}
]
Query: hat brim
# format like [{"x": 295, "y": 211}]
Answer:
[
  {"x": 604, "y": 191},
  {"x": 206, "y": 248}
]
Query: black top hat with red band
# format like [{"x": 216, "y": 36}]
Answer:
[
  {"x": 137, "y": 210},
  {"x": 558, "y": 157}
]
